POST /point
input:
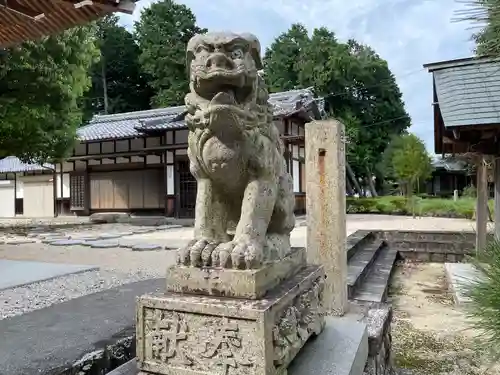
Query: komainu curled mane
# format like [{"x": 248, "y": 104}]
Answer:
[{"x": 236, "y": 156}]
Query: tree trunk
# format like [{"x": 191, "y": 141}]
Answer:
[
  {"x": 371, "y": 185},
  {"x": 104, "y": 85},
  {"x": 351, "y": 175},
  {"x": 348, "y": 186}
]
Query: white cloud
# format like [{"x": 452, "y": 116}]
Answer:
[{"x": 407, "y": 33}]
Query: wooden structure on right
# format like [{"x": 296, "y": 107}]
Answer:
[{"x": 466, "y": 103}]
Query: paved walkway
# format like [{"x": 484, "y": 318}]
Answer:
[{"x": 156, "y": 261}]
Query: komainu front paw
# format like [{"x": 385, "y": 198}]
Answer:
[
  {"x": 239, "y": 254},
  {"x": 197, "y": 253},
  {"x": 247, "y": 254}
]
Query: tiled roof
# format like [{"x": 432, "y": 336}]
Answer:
[
  {"x": 468, "y": 91},
  {"x": 123, "y": 125},
  {"x": 450, "y": 165},
  {"x": 133, "y": 124},
  {"x": 11, "y": 164},
  {"x": 285, "y": 103}
]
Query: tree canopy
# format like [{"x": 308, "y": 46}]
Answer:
[
  {"x": 163, "y": 33},
  {"x": 356, "y": 83},
  {"x": 118, "y": 83},
  {"x": 411, "y": 163},
  {"x": 41, "y": 84}
]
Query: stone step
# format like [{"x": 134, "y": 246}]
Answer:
[
  {"x": 356, "y": 240},
  {"x": 374, "y": 286},
  {"x": 341, "y": 349},
  {"x": 360, "y": 263}
]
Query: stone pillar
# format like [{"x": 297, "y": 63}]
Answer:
[
  {"x": 482, "y": 205},
  {"x": 455, "y": 195},
  {"x": 326, "y": 208},
  {"x": 497, "y": 198}
]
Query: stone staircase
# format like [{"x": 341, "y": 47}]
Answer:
[{"x": 370, "y": 263}]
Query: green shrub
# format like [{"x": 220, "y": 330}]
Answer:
[
  {"x": 470, "y": 192},
  {"x": 398, "y": 205}
]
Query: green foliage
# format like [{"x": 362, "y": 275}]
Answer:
[
  {"x": 398, "y": 205},
  {"x": 484, "y": 293},
  {"x": 356, "y": 83},
  {"x": 485, "y": 13},
  {"x": 411, "y": 163},
  {"x": 470, "y": 192},
  {"x": 127, "y": 87},
  {"x": 163, "y": 32},
  {"x": 41, "y": 84}
]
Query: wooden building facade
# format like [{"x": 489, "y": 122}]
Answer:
[
  {"x": 137, "y": 162},
  {"x": 466, "y": 106}
]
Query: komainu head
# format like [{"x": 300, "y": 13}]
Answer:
[{"x": 224, "y": 64}]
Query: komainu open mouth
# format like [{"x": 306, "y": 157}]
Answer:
[{"x": 222, "y": 93}]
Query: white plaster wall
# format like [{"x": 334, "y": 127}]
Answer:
[{"x": 65, "y": 187}]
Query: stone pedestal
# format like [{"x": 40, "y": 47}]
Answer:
[{"x": 203, "y": 334}]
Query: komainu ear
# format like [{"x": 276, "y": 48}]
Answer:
[
  {"x": 190, "y": 50},
  {"x": 254, "y": 48}
]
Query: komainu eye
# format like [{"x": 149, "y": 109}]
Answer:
[
  {"x": 237, "y": 54},
  {"x": 201, "y": 48}
]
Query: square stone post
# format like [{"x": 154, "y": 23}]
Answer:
[{"x": 326, "y": 208}]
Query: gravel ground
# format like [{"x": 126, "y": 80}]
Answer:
[{"x": 17, "y": 301}]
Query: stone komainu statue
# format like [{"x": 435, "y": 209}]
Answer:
[{"x": 236, "y": 156}]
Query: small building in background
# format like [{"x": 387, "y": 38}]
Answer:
[
  {"x": 449, "y": 175},
  {"x": 32, "y": 190}
]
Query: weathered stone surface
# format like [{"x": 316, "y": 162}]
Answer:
[
  {"x": 19, "y": 241},
  {"x": 459, "y": 277},
  {"x": 109, "y": 236},
  {"x": 236, "y": 156},
  {"x": 18, "y": 273},
  {"x": 46, "y": 234},
  {"x": 183, "y": 334},
  {"x": 166, "y": 227},
  {"x": 83, "y": 237},
  {"x": 378, "y": 319},
  {"x": 102, "y": 244},
  {"x": 326, "y": 208},
  {"x": 50, "y": 240},
  {"x": 70, "y": 335},
  {"x": 146, "y": 247},
  {"x": 66, "y": 243},
  {"x": 341, "y": 349},
  {"x": 252, "y": 284},
  {"x": 143, "y": 230}
]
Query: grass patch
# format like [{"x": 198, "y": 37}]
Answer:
[
  {"x": 397, "y": 205},
  {"x": 428, "y": 354}
]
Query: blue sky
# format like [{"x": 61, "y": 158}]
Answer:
[{"x": 407, "y": 33}]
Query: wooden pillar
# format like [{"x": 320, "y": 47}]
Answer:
[
  {"x": 326, "y": 209},
  {"x": 497, "y": 198},
  {"x": 482, "y": 205},
  {"x": 61, "y": 186}
]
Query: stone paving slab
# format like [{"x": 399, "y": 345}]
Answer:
[
  {"x": 49, "y": 341},
  {"x": 459, "y": 276},
  {"x": 147, "y": 247},
  {"x": 18, "y": 273},
  {"x": 105, "y": 244}
]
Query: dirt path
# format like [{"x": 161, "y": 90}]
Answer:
[{"x": 430, "y": 334}]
